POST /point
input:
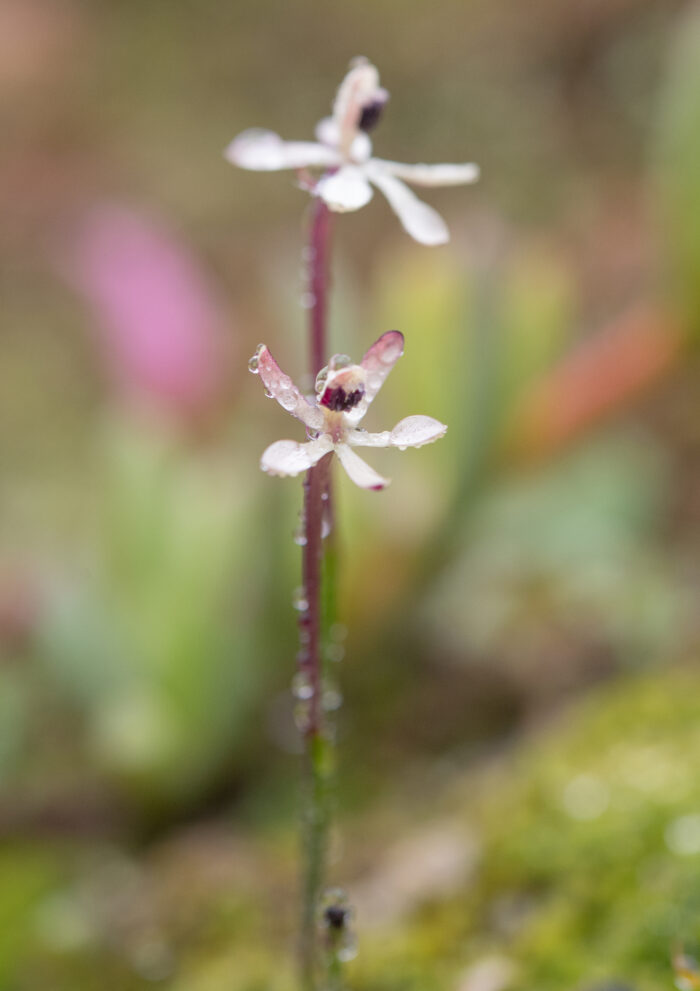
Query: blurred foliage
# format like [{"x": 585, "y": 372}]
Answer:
[
  {"x": 153, "y": 644},
  {"x": 678, "y": 162}
]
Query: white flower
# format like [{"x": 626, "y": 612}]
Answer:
[
  {"x": 344, "y": 392},
  {"x": 344, "y": 151}
]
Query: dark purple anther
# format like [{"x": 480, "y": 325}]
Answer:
[
  {"x": 371, "y": 114},
  {"x": 340, "y": 401}
]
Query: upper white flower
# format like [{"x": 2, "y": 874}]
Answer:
[
  {"x": 344, "y": 151},
  {"x": 344, "y": 392}
]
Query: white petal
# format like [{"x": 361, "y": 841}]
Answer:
[
  {"x": 327, "y": 132},
  {"x": 414, "y": 431},
  {"x": 430, "y": 175},
  {"x": 281, "y": 388},
  {"x": 358, "y": 470},
  {"x": 420, "y": 220},
  {"x": 287, "y": 457},
  {"x": 361, "y": 148},
  {"x": 361, "y": 438},
  {"x": 359, "y": 87},
  {"x": 265, "y": 151},
  {"x": 347, "y": 189},
  {"x": 377, "y": 363}
]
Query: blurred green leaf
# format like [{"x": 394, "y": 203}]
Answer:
[{"x": 677, "y": 160}]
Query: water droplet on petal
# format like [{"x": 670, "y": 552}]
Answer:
[
  {"x": 340, "y": 361},
  {"x": 321, "y": 380},
  {"x": 287, "y": 399},
  {"x": 255, "y": 360},
  {"x": 268, "y": 394},
  {"x": 308, "y": 300},
  {"x": 300, "y": 536}
]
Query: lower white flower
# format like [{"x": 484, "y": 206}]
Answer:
[
  {"x": 343, "y": 151},
  {"x": 344, "y": 392}
]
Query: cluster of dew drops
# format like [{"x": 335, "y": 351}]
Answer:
[{"x": 302, "y": 685}]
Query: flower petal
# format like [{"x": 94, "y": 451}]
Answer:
[
  {"x": 327, "y": 132},
  {"x": 287, "y": 457},
  {"x": 265, "y": 151},
  {"x": 414, "y": 431},
  {"x": 377, "y": 363},
  {"x": 281, "y": 387},
  {"x": 430, "y": 175},
  {"x": 420, "y": 220},
  {"x": 359, "y": 87},
  {"x": 361, "y": 438},
  {"x": 358, "y": 470},
  {"x": 346, "y": 189}
]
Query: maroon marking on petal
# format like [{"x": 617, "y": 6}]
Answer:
[
  {"x": 338, "y": 400},
  {"x": 378, "y": 488}
]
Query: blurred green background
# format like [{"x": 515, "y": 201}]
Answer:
[{"x": 520, "y": 733}]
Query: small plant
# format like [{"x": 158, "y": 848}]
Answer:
[{"x": 343, "y": 393}]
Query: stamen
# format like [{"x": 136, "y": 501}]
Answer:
[{"x": 370, "y": 114}]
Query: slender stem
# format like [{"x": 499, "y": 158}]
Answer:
[
  {"x": 310, "y": 656},
  {"x": 319, "y": 284},
  {"x": 312, "y": 621}
]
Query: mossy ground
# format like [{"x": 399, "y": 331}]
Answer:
[{"x": 587, "y": 870}]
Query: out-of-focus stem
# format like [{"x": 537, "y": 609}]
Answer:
[{"x": 319, "y": 284}]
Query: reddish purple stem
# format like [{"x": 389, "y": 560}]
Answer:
[
  {"x": 319, "y": 262},
  {"x": 315, "y": 484},
  {"x": 316, "y": 504},
  {"x": 317, "y": 479}
]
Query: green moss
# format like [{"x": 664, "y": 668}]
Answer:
[{"x": 589, "y": 869}]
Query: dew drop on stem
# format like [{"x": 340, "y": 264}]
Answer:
[
  {"x": 299, "y": 599},
  {"x": 302, "y": 687},
  {"x": 332, "y": 699}
]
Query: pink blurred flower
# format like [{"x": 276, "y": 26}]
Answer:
[{"x": 161, "y": 324}]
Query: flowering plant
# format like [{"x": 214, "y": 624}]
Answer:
[
  {"x": 332, "y": 416},
  {"x": 344, "y": 392},
  {"x": 343, "y": 151}
]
